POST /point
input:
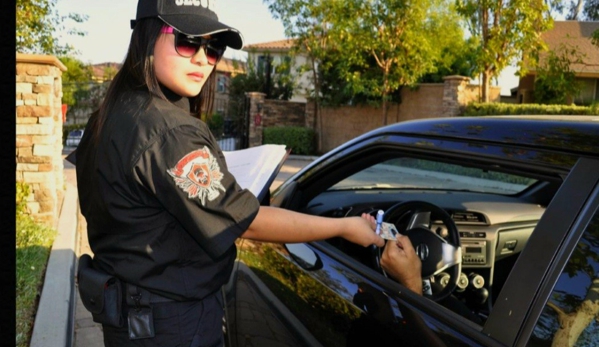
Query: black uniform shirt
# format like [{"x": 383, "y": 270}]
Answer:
[{"x": 162, "y": 210}]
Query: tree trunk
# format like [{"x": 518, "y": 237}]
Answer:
[{"x": 485, "y": 86}]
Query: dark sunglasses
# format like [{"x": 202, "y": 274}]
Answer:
[{"x": 188, "y": 46}]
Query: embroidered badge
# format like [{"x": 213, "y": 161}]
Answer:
[{"x": 198, "y": 174}]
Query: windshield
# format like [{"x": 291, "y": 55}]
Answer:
[{"x": 410, "y": 173}]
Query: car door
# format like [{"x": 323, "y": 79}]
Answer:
[
  {"x": 557, "y": 274},
  {"x": 313, "y": 294}
]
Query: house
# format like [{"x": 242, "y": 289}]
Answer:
[
  {"x": 273, "y": 53},
  {"x": 225, "y": 70},
  {"x": 572, "y": 34}
]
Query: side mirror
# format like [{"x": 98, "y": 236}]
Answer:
[{"x": 304, "y": 256}]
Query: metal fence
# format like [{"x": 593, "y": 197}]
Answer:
[{"x": 229, "y": 143}]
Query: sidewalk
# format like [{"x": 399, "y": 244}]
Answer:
[{"x": 62, "y": 320}]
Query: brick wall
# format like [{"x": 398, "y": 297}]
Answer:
[
  {"x": 39, "y": 133},
  {"x": 283, "y": 113},
  {"x": 343, "y": 123}
]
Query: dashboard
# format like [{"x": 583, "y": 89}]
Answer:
[{"x": 493, "y": 230}]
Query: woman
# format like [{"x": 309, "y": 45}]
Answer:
[{"x": 162, "y": 210}]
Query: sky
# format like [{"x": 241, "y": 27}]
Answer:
[
  {"x": 108, "y": 29},
  {"x": 108, "y": 26}
]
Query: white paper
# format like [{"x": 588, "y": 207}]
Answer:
[{"x": 253, "y": 167}]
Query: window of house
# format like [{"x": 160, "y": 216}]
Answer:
[
  {"x": 221, "y": 84},
  {"x": 587, "y": 91}
]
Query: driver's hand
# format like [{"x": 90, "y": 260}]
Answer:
[{"x": 401, "y": 262}]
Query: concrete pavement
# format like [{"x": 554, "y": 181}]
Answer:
[{"x": 62, "y": 320}]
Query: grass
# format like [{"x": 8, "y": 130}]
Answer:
[{"x": 33, "y": 245}]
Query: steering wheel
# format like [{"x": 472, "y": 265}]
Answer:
[{"x": 436, "y": 253}]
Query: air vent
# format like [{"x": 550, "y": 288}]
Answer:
[{"x": 468, "y": 217}]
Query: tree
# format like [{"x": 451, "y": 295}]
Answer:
[
  {"x": 74, "y": 79},
  {"x": 506, "y": 30},
  {"x": 80, "y": 91},
  {"x": 576, "y": 9},
  {"x": 556, "y": 82},
  {"x": 367, "y": 48},
  {"x": 308, "y": 23},
  {"x": 37, "y": 24}
]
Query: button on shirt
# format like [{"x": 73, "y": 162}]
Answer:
[{"x": 162, "y": 210}]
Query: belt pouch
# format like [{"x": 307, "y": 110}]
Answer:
[
  {"x": 140, "y": 318},
  {"x": 100, "y": 293}
]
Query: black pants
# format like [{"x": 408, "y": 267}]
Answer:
[{"x": 189, "y": 324}]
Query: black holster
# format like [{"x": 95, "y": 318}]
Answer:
[{"x": 100, "y": 293}]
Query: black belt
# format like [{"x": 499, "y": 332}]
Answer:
[{"x": 137, "y": 296}]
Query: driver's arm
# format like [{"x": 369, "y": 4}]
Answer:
[{"x": 401, "y": 262}]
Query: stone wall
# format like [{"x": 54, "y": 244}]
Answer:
[
  {"x": 39, "y": 133},
  {"x": 283, "y": 113}
]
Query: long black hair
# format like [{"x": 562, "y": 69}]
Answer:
[{"x": 138, "y": 73}]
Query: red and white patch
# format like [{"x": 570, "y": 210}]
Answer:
[{"x": 198, "y": 174}]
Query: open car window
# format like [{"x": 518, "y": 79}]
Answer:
[{"x": 411, "y": 173}]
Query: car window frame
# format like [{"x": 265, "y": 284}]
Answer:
[
  {"x": 532, "y": 278},
  {"x": 422, "y": 306}
]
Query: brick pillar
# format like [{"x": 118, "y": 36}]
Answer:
[
  {"x": 39, "y": 133},
  {"x": 256, "y": 116},
  {"x": 454, "y": 98}
]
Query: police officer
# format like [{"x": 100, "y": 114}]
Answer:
[{"x": 162, "y": 210}]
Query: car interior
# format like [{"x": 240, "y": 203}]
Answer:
[{"x": 493, "y": 206}]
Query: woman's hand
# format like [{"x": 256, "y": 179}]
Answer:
[{"x": 361, "y": 231}]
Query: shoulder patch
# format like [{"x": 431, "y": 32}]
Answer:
[{"x": 199, "y": 175}]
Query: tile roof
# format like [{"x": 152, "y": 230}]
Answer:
[
  {"x": 575, "y": 33},
  {"x": 232, "y": 66},
  {"x": 279, "y": 45}
]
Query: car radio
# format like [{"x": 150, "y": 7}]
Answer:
[{"x": 474, "y": 252}]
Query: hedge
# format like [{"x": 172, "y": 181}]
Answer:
[
  {"x": 488, "y": 109},
  {"x": 299, "y": 139}
]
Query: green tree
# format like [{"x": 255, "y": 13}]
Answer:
[
  {"x": 80, "y": 91},
  {"x": 37, "y": 24},
  {"x": 74, "y": 80},
  {"x": 308, "y": 22},
  {"x": 505, "y": 31},
  {"x": 391, "y": 42},
  {"x": 556, "y": 82},
  {"x": 367, "y": 49}
]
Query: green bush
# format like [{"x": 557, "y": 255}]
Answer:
[
  {"x": 33, "y": 244},
  {"x": 299, "y": 139},
  {"x": 487, "y": 109},
  {"x": 216, "y": 124}
]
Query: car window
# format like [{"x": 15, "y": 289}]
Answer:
[
  {"x": 570, "y": 318},
  {"x": 411, "y": 173}
]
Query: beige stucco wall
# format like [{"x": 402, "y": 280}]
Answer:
[{"x": 39, "y": 133}]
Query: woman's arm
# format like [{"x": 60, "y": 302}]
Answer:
[{"x": 274, "y": 224}]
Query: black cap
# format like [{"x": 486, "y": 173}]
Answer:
[{"x": 191, "y": 17}]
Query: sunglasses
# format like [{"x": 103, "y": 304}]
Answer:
[{"x": 188, "y": 46}]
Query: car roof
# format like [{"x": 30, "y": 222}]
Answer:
[{"x": 575, "y": 134}]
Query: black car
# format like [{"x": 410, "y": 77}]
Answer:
[{"x": 503, "y": 212}]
